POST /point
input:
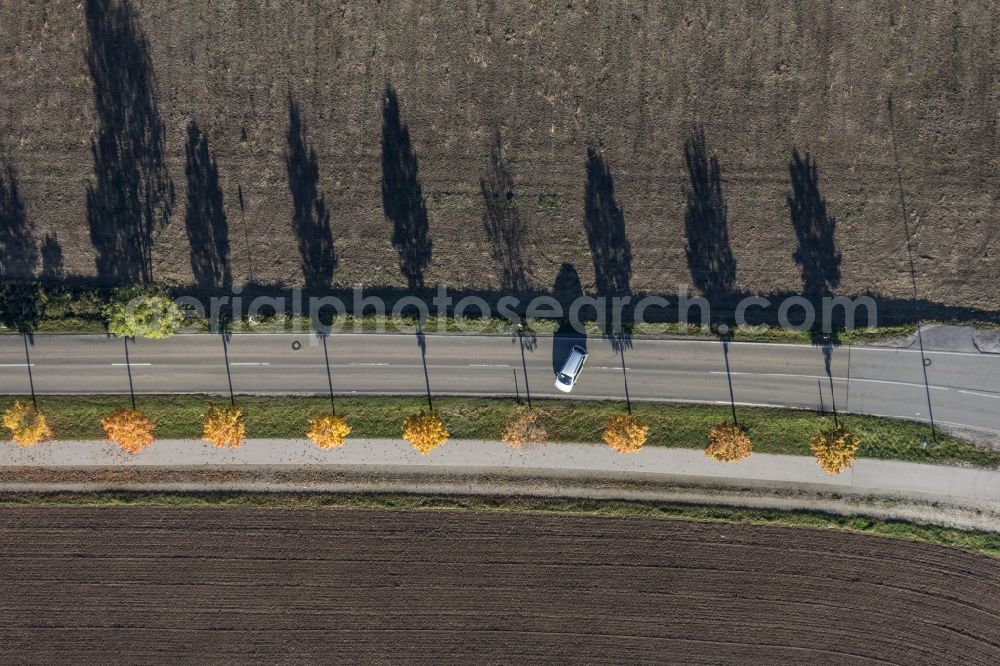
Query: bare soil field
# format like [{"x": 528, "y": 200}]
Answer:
[
  {"x": 503, "y": 145},
  {"x": 156, "y": 585}
]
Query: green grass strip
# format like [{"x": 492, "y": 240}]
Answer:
[
  {"x": 985, "y": 543},
  {"x": 781, "y": 431}
]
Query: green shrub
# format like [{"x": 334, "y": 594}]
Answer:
[
  {"x": 142, "y": 311},
  {"x": 19, "y": 305}
]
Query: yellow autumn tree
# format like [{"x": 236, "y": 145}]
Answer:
[
  {"x": 129, "y": 429},
  {"x": 224, "y": 427},
  {"x": 425, "y": 431},
  {"x": 524, "y": 426},
  {"x": 625, "y": 433},
  {"x": 728, "y": 443},
  {"x": 27, "y": 425},
  {"x": 328, "y": 430},
  {"x": 835, "y": 449}
]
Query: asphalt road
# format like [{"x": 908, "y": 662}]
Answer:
[{"x": 964, "y": 387}]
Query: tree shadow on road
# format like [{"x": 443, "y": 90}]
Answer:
[
  {"x": 310, "y": 217},
  {"x": 828, "y": 368},
  {"x": 207, "y": 229},
  {"x": 402, "y": 195},
  {"x": 133, "y": 194},
  {"x": 422, "y": 344},
  {"x": 709, "y": 256},
  {"x": 18, "y": 255},
  {"x": 502, "y": 221}
]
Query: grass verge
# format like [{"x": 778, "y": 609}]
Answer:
[
  {"x": 81, "y": 309},
  {"x": 548, "y": 327},
  {"x": 783, "y": 431},
  {"x": 493, "y": 326},
  {"x": 985, "y": 543}
]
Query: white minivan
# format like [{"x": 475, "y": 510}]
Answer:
[{"x": 566, "y": 378}]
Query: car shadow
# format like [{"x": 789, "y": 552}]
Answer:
[
  {"x": 563, "y": 340},
  {"x": 566, "y": 289}
]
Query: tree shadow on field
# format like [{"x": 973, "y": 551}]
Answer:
[
  {"x": 605, "y": 225},
  {"x": 709, "y": 256},
  {"x": 18, "y": 255},
  {"x": 310, "y": 217},
  {"x": 609, "y": 244},
  {"x": 402, "y": 196},
  {"x": 53, "y": 266},
  {"x": 816, "y": 254},
  {"x": 566, "y": 289},
  {"x": 207, "y": 230},
  {"x": 132, "y": 196},
  {"x": 502, "y": 221}
]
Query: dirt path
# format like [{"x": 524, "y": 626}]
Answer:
[
  {"x": 964, "y": 498},
  {"x": 238, "y": 585},
  {"x": 962, "y": 486}
]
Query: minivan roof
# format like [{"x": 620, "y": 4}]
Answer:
[{"x": 575, "y": 359}]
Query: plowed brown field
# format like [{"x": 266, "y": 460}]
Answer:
[
  {"x": 153, "y": 585},
  {"x": 268, "y": 83}
]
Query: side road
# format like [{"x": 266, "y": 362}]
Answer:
[{"x": 969, "y": 488}]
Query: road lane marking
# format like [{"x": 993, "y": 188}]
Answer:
[
  {"x": 980, "y": 393},
  {"x": 928, "y": 352},
  {"x": 810, "y": 346},
  {"x": 248, "y": 363},
  {"x": 125, "y": 364},
  {"x": 488, "y": 365},
  {"x": 17, "y": 365},
  {"x": 369, "y": 365},
  {"x": 652, "y": 342},
  {"x": 886, "y": 381},
  {"x": 961, "y": 425},
  {"x": 826, "y": 378},
  {"x": 774, "y": 374}
]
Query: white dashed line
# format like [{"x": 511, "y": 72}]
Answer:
[
  {"x": 825, "y": 378},
  {"x": 247, "y": 363},
  {"x": 488, "y": 365},
  {"x": 775, "y": 374},
  {"x": 886, "y": 381},
  {"x": 133, "y": 364},
  {"x": 17, "y": 365},
  {"x": 995, "y": 396}
]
